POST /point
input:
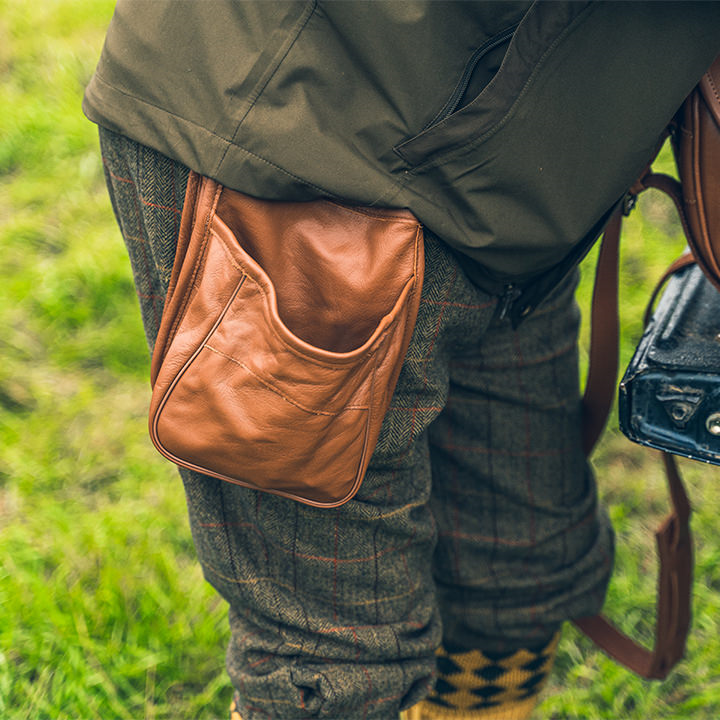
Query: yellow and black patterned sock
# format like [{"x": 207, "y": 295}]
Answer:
[{"x": 475, "y": 685}]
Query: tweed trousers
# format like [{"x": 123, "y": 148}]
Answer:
[{"x": 477, "y": 524}]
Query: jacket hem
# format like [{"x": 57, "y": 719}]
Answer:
[{"x": 181, "y": 139}]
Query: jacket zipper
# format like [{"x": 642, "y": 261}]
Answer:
[
  {"x": 517, "y": 302},
  {"x": 505, "y": 302},
  {"x": 451, "y": 105}
]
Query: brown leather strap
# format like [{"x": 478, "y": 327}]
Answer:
[
  {"x": 673, "y": 539},
  {"x": 604, "y": 331},
  {"x": 673, "y": 189},
  {"x": 674, "y": 547},
  {"x": 678, "y": 264}
]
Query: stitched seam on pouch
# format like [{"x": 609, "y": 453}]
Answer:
[
  {"x": 197, "y": 269},
  {"x": 359, "y": 211},
  {"x": 713, "y": 87},
  {"x": 271, "y": 387},
  {"x": 227, "y": 252}
]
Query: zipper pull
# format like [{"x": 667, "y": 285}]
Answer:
[{"x": 509, "y": 296}]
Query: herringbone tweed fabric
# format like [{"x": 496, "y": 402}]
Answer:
[{"x": 477, "y": 522}]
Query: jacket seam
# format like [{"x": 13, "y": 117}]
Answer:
[
  {"x": 228, "y": 141},
  {"x": 115, "y": 88},
  {"x": 258, "y": 91}
]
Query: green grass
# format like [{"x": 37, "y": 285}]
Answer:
[{"x": 103, "y": 609}]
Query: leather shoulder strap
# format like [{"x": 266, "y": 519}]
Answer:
[{"x": 673, "y": 538}]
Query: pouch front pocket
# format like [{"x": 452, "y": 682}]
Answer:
[{"x": 239, "y": 394}]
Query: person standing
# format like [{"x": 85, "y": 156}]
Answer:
[{"x": 511, "y": 130}]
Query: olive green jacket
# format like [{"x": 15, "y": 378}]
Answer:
[{"x": 510, "y": 129}]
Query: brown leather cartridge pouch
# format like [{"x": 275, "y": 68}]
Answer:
[{"x": 283, "y": 334}]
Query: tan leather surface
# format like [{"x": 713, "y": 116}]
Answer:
[
  {"x": 710, "y": 89},
  {"x": 699, "y": 167},
  {"x": 336, "y": 255},
  {"x": 285, "y": 328}
]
